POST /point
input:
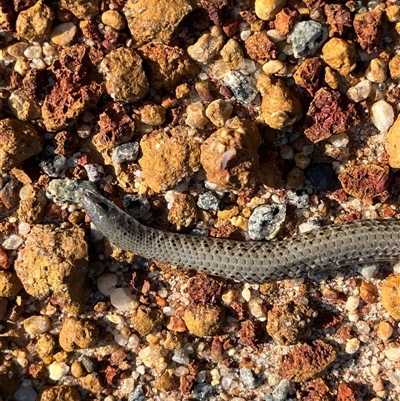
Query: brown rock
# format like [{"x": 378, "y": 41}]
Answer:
[
  {"x": 186, "y": 384},
  {"x": 338, "y": 19},
  {"x": 23, "y": 107},
  {"x": 218, "y": 112},
  {"x": 217, "y": 11},
  {"x": 260, "y": 48},
  {"x": 306, "y": 361},
  {"x": 126, "y": 80},
  {"x": 204, "y": 320},
  {"x": 18, "y": 141},
  {"x": 10, "y": 285},
  {"x": 285, "y": 20},
  {"x": 391, "y": 296},
  {"x": 82, "y": 9},
  {"x": 394, "y": 67},
  {"x": 31, "y": 211},
  {"x": 368, "y": 292},
  {"x": 75, "y": 89},
  {"x": 203, "y": 289},
  {"x": 34, "y": 24},
  {"x": 146, "y": 319},
  {"x": 167, "y": 381},
  {"x": 4, "y": 260},
  {"x": 229, "y": 156},
  {"x": 251, "y": 333},
  {"x": 9, "y": 378},
  {"x": 148, "y": 23},
  {"x": 285, "y": 109},
  {"x": 291, "y": 322},
  {"x": 76, "y": 333},
  {"x": 56, "y": 393},
  {"x": 267, "y": 9},
  {"x": 116, "y": 127},
  {"x": 308, "y": 75},
  {"x": 232, "y": 53},
  {"x": 347, "y": 392},
  {"x": 329, "y": 113},
  {"x": 152, "y": 114},
  {"x": 183, "y": 212},
  {"x": 366, "y": 182},
  {"x": 53, "y": 263},
  {"x": 45, "y": 345},
  {"x": 295, "y": 178},
  {"x": 92, "y": 383},
  {"x": 368, "y": 30},
  {"x": 6, "y": 17},
  {"x": 167, "y": 66},
  {"x": 340, "y": 55},
  {"x": 169, "y": 156}
]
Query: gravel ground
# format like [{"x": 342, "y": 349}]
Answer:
[{"x": 249, "y": 120}]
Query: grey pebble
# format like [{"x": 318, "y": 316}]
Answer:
[
  {"x": 307, "y": 37},
  {"x": 88, "y": 364},
  {"x": 95, "y": 172},
  {"x": 66, "y": 190},
  {"x": 208, "y": 201},
  {"x": 280, "y": 392},
  {"x": 249, "y": 378},
  {"x": 51, "y": 164},
  {"x": 181, "y": 356},
  {"x": 266, "y": 221},
  {"x": 136, "y": 205},
  {"x": 202, "y": 391},
  {"x": 137, "y": 394},
  {"x": 125, "y": 153},
  {"x": 300, "y": 198},
  {"x": 242, "y": 86}
]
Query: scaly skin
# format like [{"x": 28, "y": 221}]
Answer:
[{"x": 254, "y": 262}]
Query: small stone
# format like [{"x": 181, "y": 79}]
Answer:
[
  {"x": 167, "y": 381},
  {"x": 152, "y": 114},
  {"x": 208, "y": 201},
  {"x": 153, "y": 356},
  {"x": 266, "y": 221},
  {"x": 23, "y": 107},
  {"x": 136, "y": 205},
  {"x": 286, "y": 108},
  {"x": 340, "y": 54},
  {"x": 67, "y": 190},
  {"x": 77, "y": 370},
  {"x": 376, "y": 71},
  {"x": 204, "y": 320},
  {"x": 352, "y": 346},
  {"x": 280, "y": 392},
  {"x": 384, "y": 331},
  {"x": 275, "y": 67},
  {"x": 232, "y": 53},
  {"x": 229, "y": 156},
  {"x": 106, "y": 283},
  {"x": 55, "y": 393},
  {"x": 125, "y": 153},
  {"x": 45, "y": 345},
  {"x": 57, "y": 370},
  {"x": 321, "y": 176},
  {"x": 382, "y": 115},
  {"x": 126, "y": 80},
  {"x": 12, "y": 242},
  {"x": 393, "y": 354},
  {"x": 289, "y": 323},
  {"x": 123, "y": 299},
  {"x": 260, "y": 48},
  {"x": 218, "y": 112},
  {"x": 34, "y": 23},
  {"x": 267, "y": 9},
  {"x": 394, "y": 67},
  {"x": 113, "y": 19},
  {"x": 146, "y": 319},
  {"x": 25, "y": 393},
  {"x": 137, "y": 394},
  {"x": 77, "y": 333},
  {"x": 63, "y": 34},
  {"x": 352, "y": 303},
  {"x": 35, "y": 325},
  {"x": 10, "y": 285},
  {"x": 183, "y": 212},
  {"x": 391, "y": 296},
  {"x": 368, "y": 292},
  {"x": 368, "y": 29},
  {"x": 307, "y": 37},
  {"x": 207, "y": 46},
  {"x": 360, "y": 91},
  {"x": 302, "y": 161},
  {"x": 299, "y": 198},
  {"x": 91, "y": 382},
  {"x": 242, "y": 86},
  {"x": 202, "y": 391},
  {"x": 196, "y": 115},
  {"x": 249, "y": 379},
  {"x": 392, "y": 144}
]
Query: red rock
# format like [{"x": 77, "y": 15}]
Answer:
[
  {"x": 338, "y": 19},
  {"x": 203, "y": 289},
  {"x": 368, "y": 30},
  {"x": 4, "y": 261},
  {"x": 347, "y": 392},
  {"x": 285, "y": 20},
  {"x": 308, "y": 75},
  {"x": 251, "y": 333}
]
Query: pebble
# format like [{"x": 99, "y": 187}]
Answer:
[
  {"x": 95, "y": 172},
  {"x": 382, "y": 115},
  {"x": 25, "y": 393},
  {"x": 280, "y": 392},
  {"x": 196, "y": 115},
  {"x": 363, "y": 327},
  {"x": 309, "y": 226},
  {"x": 51, "y": 164},
  {"x": 376, "y": 71},
  {"x": 12, "y": 242},
  {"x": 352, "y": 346},
  {"x": 242, "y": 86},
  {"x": 88, "y": 364},
  {"x": 218, "y": 112},
  {"x": 207, "y": 46},
  {"x": 321, "y": 176},
  {"x": 393, "y": 354},
  {"x": 352, "y": 303},
  {"x": 267, "y": 9},
  {"x": 390, "y": 295},
  {"x": 360, "y": 91},
  {"x": 307, "y": 37},
  {"x": 125, "y": 153},
  {"x": 66, "y": 190},
  {"x": 123, "y": 299},
  {"x": 35, "y": 325},
  {"x": 249, "y": 379},
  {"x": 137, "y": 394},
  {"x": 368, "y": 270},
  {"x": 113, "y": 19},
  {"x": 57, "y": 370},
  {"x": 256, "y": 308},
  {"x": 299, "y": 198},
  {"x": 208, "y": 201},
  {"x": 181, "y": 356},
  {"x": 63, "y": 34},
  {"x": 266, "y": 221},
  {"x": 202, "y": 391},
  {"x": 384, "y": 331},
  {"x": 136, "y": 205},
  {"x": 106, "y": 283}
]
